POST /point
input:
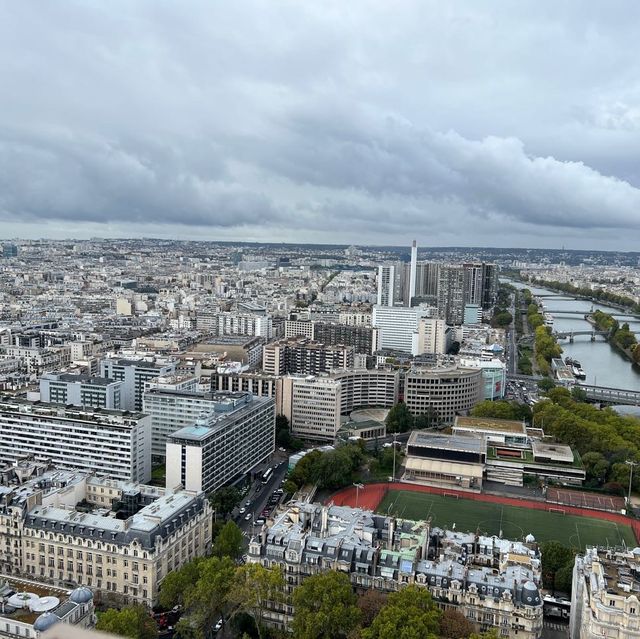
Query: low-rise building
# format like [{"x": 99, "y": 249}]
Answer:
[
  {"x": 493, "y": 582},
  {"x": 605, "y": 594},
  {"x": 30, "y": 608}
]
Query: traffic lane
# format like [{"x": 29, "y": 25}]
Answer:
[{"x": 261, "y": 497}]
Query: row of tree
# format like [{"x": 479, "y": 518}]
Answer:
[
  {"x": 623, "y": 336},
  {"x": 501, "y": 316},
  {"x": 331, "y": 469},
  {"x": 546, "y": 347}
]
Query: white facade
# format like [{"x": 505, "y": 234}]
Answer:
[
  {"x": 112, "y": 443},
  {"x": 314, "y": 407},
  {"x": 134, "y": 373},
  {"x": 80, "y": 390},
  {"x": 398, "y": 327},
  {"x": 237, "y": 434},
  {"x": 433, "y": 336}
]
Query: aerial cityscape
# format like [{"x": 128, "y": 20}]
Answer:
[{"x": 319, "y": 321}]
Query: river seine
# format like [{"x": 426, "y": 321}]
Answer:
[{"x": 603, "y": 364}]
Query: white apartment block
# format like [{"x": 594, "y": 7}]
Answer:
[
  {"x": 299, "y": 328},
  {"x": 355, "y": 319},
  {"x": 109, "y": 443},
  {"x": 171, "y": 409},
  {"x": 134, "y": 373},
  {"x": 398, "y": 326},
  {"x": 605, "y": 597},
  {"x": 236, "y": 434},
  {"x": 244, "y": 324},
  {"x": 314, "y": 405},
  {"x": 80, "y": 390},
  {"x": 433, "y": 336}
]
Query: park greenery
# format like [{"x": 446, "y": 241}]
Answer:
[
  {"x": 604, "y": 439},
  {"x": 501, "y": 316},
  {"x": 622, "y": 336},
  {"x": 401, "y": 420},
  {"x": 598, "y": 294},
  {"x": 502, "y": 409},
  {"x": 557, "y": 566},
  {"x": 130, "y": 621},
  {"x": 546, "y": 347}
]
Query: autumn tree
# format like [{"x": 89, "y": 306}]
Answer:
[{"x": 454, "y": 625}]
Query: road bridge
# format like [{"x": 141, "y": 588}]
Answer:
[
  {"x": 611, "y": 395},
  {"x": 571, "y": 334}
]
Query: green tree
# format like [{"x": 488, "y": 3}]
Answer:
[
  {"x": 579, "y": 394},
  {"x": 596, "y": 467},
  {"x": 131, "y": 621},
  {"x": 546, "y": 384},
  {"x": 207, "y": 602},
  {"x": 488, "y": 634},
  {"x": 178, "y": 584},
  {"x": 254, "y": 586},
  {"x": 325, "y": 607},
  {"x": 555, "y": 556},
  {"x": 228, "y": 543},
  {"x": 399, "y": 419},
  {"x": 370, "y": 605},
  {"x": 408, "y": 614},
  {"x": 224, "y": 500},
  {"x": 289, "y": 487}
]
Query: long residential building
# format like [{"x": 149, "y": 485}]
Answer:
[
  {"x": 493, "y": 582},
  {"x": 364, "y": 339},
  {"x": 81, "y": 390},
  {"x": 107, "y": 442},
  {"x": 443, "y": 391},
  {"x": 118, "y": 538},
  {"x": 234, "y": 433},
  {"x": 305, "y": 357}
]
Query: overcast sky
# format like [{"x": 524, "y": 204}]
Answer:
[{"x": 457, "y": 123}]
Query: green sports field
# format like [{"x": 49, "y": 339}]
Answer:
[{"x": 514, "y": 522}]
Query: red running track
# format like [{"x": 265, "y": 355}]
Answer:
[{"x": 371, "y": 495}]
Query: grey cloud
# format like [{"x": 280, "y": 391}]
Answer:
[{"x": 294, "y": 119}]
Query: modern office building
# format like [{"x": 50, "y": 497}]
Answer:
[
  {"x": 317, "y": 406},
  {"x": 134, "y": 373},
  {"x": 299, "y": 355},
  {"x": 81, "y": 390},
  {"x": 494, "y": 375},
  {"x": 235, "y": 434},
  {"x": 493, "y": 582},
  {"x": 390, "y": 284},
  {"x": 398, "y": 327},
  {"x": 443, "y": 391},
  {"x": 472, "y": 314},
  {"x": 106, "y": 442},
  {"x": 605, "y": 594}
]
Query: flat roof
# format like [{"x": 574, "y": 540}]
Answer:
[
  {"x": 491, "y": 424},
  {"x": 448, "y": 442}
]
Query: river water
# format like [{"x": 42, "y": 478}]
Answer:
[{"x": 603, "y": 364}]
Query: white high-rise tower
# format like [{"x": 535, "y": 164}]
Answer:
[{"x": 412, "y": 273}]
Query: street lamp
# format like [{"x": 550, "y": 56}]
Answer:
[
  {"x": 394, "y": 457},
  {"x": 631, "y": 464},
  {"x": 358, "y": 487}
]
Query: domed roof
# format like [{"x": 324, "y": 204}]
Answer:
[
  {"x": 45, "y": 621},
  {"x": 81, "y": 595},
  {"x": 636, "y": 551},
  {"x": 529, "y": 538},
  {"x": 530, "y": 594}
]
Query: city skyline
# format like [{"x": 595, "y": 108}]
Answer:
[{"x": 478, "y": 124}]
